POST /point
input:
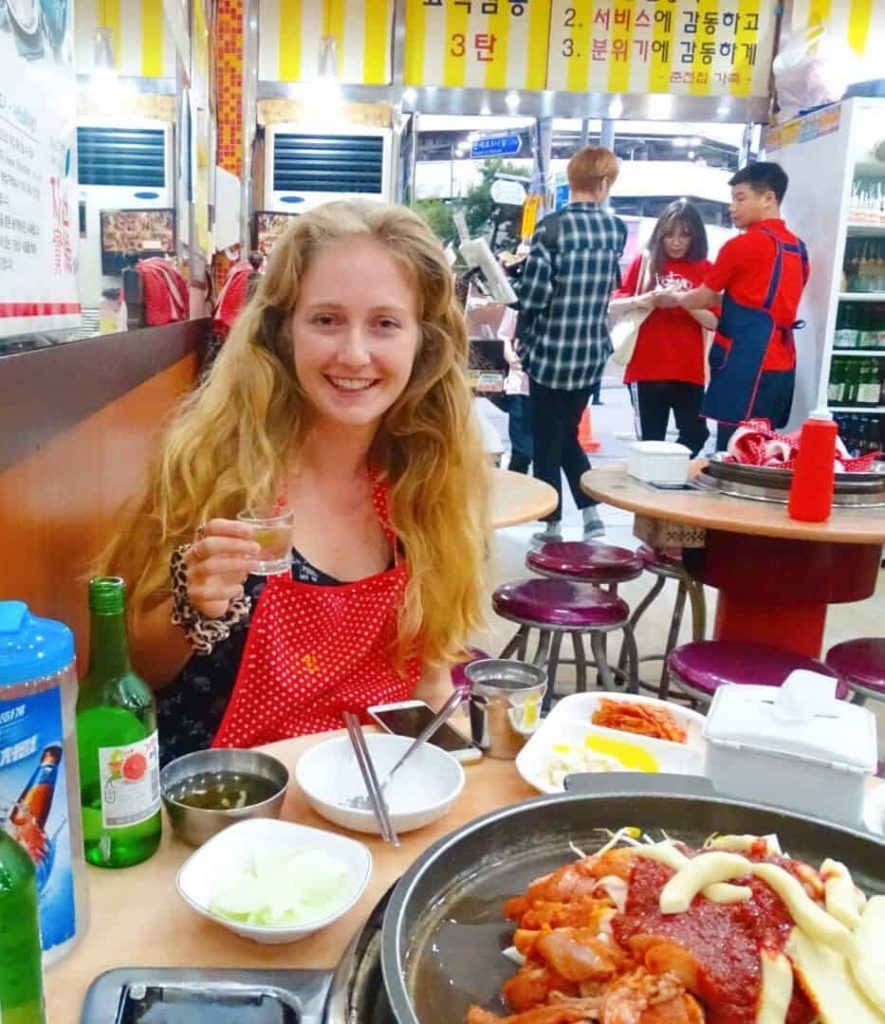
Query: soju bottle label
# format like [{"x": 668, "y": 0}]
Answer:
[
  {"x": 34, "y": 803},
  {"x": 130, "y": 782}
]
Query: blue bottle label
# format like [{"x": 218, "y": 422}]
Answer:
[{"x": 34, "y": 804}]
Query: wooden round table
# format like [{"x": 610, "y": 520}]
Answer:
[
  {"x": 517, "y": 498},
  {"x": 775, "y": 575}
]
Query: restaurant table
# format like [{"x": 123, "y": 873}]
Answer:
[
  {"x": 775, "y": 575},
  {"x": 138, "y": 919},
  {"x": 518, "y": 498}
]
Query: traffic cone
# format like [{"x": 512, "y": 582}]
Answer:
[{"x": 585, "y": 433}]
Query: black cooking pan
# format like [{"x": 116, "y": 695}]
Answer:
[{"x": 444, "y": 930}]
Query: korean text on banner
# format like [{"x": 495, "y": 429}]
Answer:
[
  {"x": 291, "y": 34},
  {"x": 682, "y": 47},
  {"x": 491, "y": 44},
  {"x": 38, "y": 185}
]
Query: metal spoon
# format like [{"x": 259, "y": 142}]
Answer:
[{"x": 442, "y": 716}]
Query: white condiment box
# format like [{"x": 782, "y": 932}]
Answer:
[
  {"x": 659, "y": 462},
  {"x": 796, "y": 747}
]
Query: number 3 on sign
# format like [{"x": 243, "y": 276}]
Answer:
[
  {"x": 459, "y": 45},
  {"x": 568, "y": 47}
]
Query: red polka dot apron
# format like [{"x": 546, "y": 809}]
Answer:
[{"x": 316, "y": 651}]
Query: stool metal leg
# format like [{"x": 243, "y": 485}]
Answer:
[
  {"x": 541, "y": 659},
  {"x": 639, "y": 611},
  {"x": 698, "y": 605},
  {"x": 672, "y": 637},
  {"x": 632, "y": 659},
  {"x": 580, "y": 663},
  {"x": 517, "y": 644},
  {"x": 553, "y": 662}
]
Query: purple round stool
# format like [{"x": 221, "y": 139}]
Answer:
[
  {"x": 861, "y": 664},
  {"x": 555, "y": 607},
  {"x": 585, "y": 562},
  {"x": 664, "y": 566},
  {"x": 699, "y": 669}
]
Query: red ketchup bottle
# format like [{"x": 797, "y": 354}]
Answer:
[{"x": 811, "y": 493}]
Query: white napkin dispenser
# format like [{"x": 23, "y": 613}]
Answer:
[
  {"x": 659, "y": 462},
  {"x": 796, "y": 746}
]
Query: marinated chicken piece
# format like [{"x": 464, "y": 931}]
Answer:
[
  {"x": 644, "y": 998},
  {"x": 566, "y": 1011},
  {"x": 572, "y": 881},
  {"x": 579, "y": 954},
  {"x": 534, "y": 983}
]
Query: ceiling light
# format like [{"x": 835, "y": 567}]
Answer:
[
  {"x": 511, "y": 100},
  {"x": 410, "y": 95}
]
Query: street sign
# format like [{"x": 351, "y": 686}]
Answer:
[{"x": 495, "y": 145}]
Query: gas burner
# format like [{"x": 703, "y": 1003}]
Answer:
[{"x": 354, "y": 994}]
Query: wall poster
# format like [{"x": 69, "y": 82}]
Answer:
[{"x": 38, "y": 185}]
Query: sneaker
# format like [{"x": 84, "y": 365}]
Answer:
[
  {"x": 546, "y": 537},
  {"x": 593, "y": 525}
]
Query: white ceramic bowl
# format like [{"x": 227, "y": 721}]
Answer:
[
  {"x": 231, "y": 851},
  {"x": 421, "y": 791}
]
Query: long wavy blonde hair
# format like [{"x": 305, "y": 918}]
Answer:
[{"x": 228, "y": 444}]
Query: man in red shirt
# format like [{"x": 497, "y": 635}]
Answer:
[{"x": 760, "y": 275}]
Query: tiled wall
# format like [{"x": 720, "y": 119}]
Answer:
[
  {"x": 229, "y": 105},
  {"x": 229, "y": 100}
]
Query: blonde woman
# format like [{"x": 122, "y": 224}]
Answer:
[{"x": 341, "y": 392}]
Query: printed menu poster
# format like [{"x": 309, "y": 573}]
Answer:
[
  {"x": 38, "y": 182},
  {"x": 681, "y": 47}
]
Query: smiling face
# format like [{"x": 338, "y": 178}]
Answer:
[
  {"x": 749, "y": 206},
  {"x": 355, "y": 333},
  {"x": 677, "y": 241}
]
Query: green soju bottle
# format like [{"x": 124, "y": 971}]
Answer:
[
  {"x": 21, "y": 980},
  {"x": 116, "y": 741}
]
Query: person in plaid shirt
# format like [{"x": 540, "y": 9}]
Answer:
[{"x": 569, "y": 275}]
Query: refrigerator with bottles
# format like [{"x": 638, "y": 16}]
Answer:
[{"x": 835, "y": 159}]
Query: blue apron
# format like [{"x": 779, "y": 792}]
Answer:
[{"x": 739, "y": 388}]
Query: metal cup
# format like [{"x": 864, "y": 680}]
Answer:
[{"x": 505, "y": 704}]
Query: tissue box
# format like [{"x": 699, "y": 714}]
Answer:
[
  {"x": 796, "y": 747},
  {"x": 659, "y": 462}
]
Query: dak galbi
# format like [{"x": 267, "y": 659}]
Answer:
[{"x": 736, "y": 932}]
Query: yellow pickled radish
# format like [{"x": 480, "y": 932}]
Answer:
[{"x": 629, "y": 754}]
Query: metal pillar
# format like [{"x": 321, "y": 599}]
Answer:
[
  {"x": 542, "y": 178},
  {"x": 607, "y": 139}
]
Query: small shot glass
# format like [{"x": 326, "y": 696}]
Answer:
[{"x": 272, "y": 531}]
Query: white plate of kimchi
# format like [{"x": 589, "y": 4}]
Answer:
[
  {"x": 643, "y": 735},
  {"x": 658, "y": 932}
]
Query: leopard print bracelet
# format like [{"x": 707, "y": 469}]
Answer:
[{"x": 202, "y": 633}]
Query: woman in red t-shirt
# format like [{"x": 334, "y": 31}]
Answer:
[{"x": 667, "y": 365}]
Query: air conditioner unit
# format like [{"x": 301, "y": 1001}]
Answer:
[
  {"x": 120, "y": 166},
  {"x": 307, "y": 167}
]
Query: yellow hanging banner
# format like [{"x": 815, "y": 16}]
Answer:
[
  {"x": 142, "y": 43},
  {"x": 682, "y": 47},
  {"x": 292, "y": 34},
  {"x": 486, "y": 44},
  {"x": 860, "y": 23}
]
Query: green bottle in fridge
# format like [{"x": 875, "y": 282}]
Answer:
[
  {"x": 116, "y": 741},
  {"x": 21, "y": 978}
]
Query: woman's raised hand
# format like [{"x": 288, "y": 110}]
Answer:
[{"x": 218, "y": 561}]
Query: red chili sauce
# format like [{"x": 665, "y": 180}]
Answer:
[{"x": 724, "y": 940}]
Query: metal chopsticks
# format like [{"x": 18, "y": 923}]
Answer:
[
  {"x": 432, "y": 727},
  {"x": 367, "y": 769}
]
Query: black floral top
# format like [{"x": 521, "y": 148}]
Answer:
[{"x": 190, "y": 709}]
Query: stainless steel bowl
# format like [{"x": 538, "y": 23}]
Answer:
[
  {"x": 195, "y": 824},
  {"x": 505, "y": 704}
]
